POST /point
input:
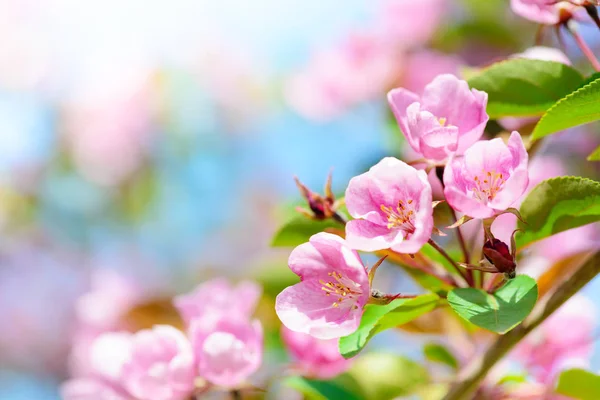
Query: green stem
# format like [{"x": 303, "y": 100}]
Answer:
[
  {"x": 458, "y": 269},
  {"x": 477, "y": 369}
]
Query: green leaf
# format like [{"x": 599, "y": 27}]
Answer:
[
  {"x": 524, "y": 87},
  {"x": 299, "y": 230},
  {"x": 595, "y": 156},
  {"x": 440, "y": 354},
  {"x": 384, "y": 376},
  {"x": 498, "y": 312},
  {"x": 342, "y": 387},
  {"x": 578, "y": 108},
  {"x": 377, "y": 318},
  {"x": 556, "y": 205},
  {"x": 579, "y": 384}
]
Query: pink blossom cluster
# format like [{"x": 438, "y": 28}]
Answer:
[
  {"x": 392, "y": 203},
  {"x": 368, "y": 62},
  {"x": 221, "y": 346}
]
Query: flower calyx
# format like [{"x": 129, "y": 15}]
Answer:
[{"x": 320, "y": 207}]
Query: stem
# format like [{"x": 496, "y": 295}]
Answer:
[
  {"x": 583, "y": 46},
  {"x": 339, "y": 218},
  {"x": 478, "y": 368},
  {"x": 407, "y": 263},
  {"x": 458, "y": 269},
  {"x": 461, "y": 239},
  {"x": 593, "y": 13},
  {"x": 236, "y": 394},
  {"x": 463, "y": 246}
]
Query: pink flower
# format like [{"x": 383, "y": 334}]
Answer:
[
  {"x": 160, "y": 365},
  {"x": 328, "y": 302},
  {"x": 447, "y": 118},
  {"x": 90, "y": 389},
  {"x": 107, "y": 355},
  {"x": 229, "y": 353},
  {"x": 489, "y": 178},
  {"x": 392, "y": 206},
  {"x": 336, "y": 79},
  {"x": 409, "y": 23},
  {"x": 315, "y": 358},
  {"x": 551, "y": 347},
  {"x": 423, "y": 66},
  {"x": 549, "y": 12},
  {"x": 210, "y": 299}
]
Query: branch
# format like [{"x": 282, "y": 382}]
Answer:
[{"x": 474, "y": 372}]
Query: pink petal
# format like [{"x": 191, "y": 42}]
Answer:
[
  {"x": 366, "y": 236},
  {"x": 399, "y": 100},
  {"x": 322, "y": 254},
  {"x": 304, "y": 308}
]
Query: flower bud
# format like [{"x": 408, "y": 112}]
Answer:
[{"x": 498, "y": 253}]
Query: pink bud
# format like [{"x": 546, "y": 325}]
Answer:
[
  {"x": 160, "y": 366},
  {"x": 314, "y": 357},
  {"x": 229, "y": 353},
  {"x": 392, "y": 206},
  {"x": 447, "y": 118},
  {"x": 328, "y": 302},
  {"x": 489, "y": 178}
]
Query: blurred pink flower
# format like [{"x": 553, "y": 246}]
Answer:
[
  {"x": 160, "y": 365},
  {"x": 211, "y": 299},
  {"x": 564, "y": 340},
  {"x": 489, "y": 178},
  {"x": 229, "y": 353},
  {"x": 108, "y": 353},
  {"x": 410, "y": 23},
  {"x": 98, "y": 311},
  {"x": 392, "y": 205},
  {"x": 423, "y": 66},
  {"x": 549, "y": 12},
  {"x": 315, "y": 358},
  {"x": 358, "y": 70},
  {"x": 108, "y": 128},
  {"x": 447, "y": 118},
  {"x": 328, "y": 302},
  {"x": 90, "y": 389}
]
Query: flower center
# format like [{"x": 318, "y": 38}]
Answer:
[
  {"x": 488, "y": 185},
  {"x": 344, "y": 289},
  {"x": 401, "y": 217},
  {"x": 442, "y": 121}
]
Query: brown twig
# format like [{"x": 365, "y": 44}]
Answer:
[
  {"x": 471, "y": 376},
  {"x": 458, "y": 269}
]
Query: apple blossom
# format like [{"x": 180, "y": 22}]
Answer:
[
  {"x": 160, "y": 365},
  {"x": 392, "y": 206},
  {"x": 314, "y": 357},
  {"x": 548, "y": 12},
  {"x": 551, "y": 347},
  {"x": 328, "y": 302},
  {"x": 489, "y": 178},
  {"x": 101, "y": 379},
  {"x": 446, "y": 118},
  {"x": 210, "y": 299},
  {"x": 229, "y": 353}
]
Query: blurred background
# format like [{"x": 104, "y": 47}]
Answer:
[{"x": 146, "y": 146}]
